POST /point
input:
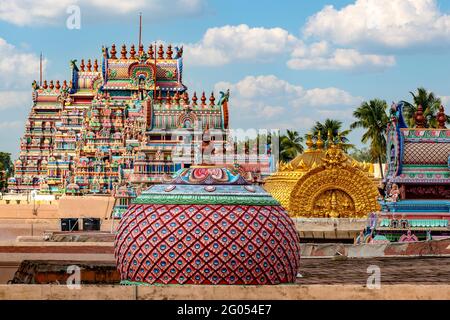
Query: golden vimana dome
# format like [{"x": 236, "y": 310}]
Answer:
[{"x": 324, "y": 183}]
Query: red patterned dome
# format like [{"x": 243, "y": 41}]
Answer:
[{"x": 207, "y": 226}]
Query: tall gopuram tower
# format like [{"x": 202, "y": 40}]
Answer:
[{"x": 125, "y": 117}]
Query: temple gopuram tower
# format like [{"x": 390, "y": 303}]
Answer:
[{"x": 124, "y": 117}]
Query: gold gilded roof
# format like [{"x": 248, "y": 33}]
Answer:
[{"x": 324, "y": 183}]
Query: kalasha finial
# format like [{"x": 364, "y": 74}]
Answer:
[
  {"x": 330, "y": 140},
  {"x": 150, "y": 52},
  {"x": 95, "y": 65},
  {"x": 64, "y": 86},
  {"x": 82, "y": 65},
  {"x": 441, "y": 118},
  {"x": 159, "y": 98},
  {"x": 113, "y": 52},
  {"x": 89, "y": 65},
  {"x": 186, "y": 97},
  {"x": 132, "y": 52},
  {"x": 51, "y": 86},
  {"x": 141, "y": 49},
  {"x": 44, "y": 85},
  {"x": 319, "y": 142},
  {"x": 161, "y": 52},
  {"x": 169, "y": 52},
  {"x": 419, "y": 118},
  {"x": 177, "y": 98},
  {"x": 203, "y": 99},
  {"x": 169, "y": 99},
  {"x": 212, "y": 99},
  {"x": 123, "y": 52},
  {"x": 309, "y": 143},
  {"x": 58, "y": 85},
  {"x": 194, "y": 99}
]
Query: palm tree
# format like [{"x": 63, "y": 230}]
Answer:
[
  {"x": 362, "y": 155},
  {"x": 6, "y": 169},
  {"x": 430, "y": 104},
  {"x": 334, "y": 127},
  {"x": 290, "y": 145},
  {"x": 372, "y": 116}
]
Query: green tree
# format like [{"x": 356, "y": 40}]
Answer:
[
  {"x": 372, "y": 116},
  {"x": 430, "y": 104},
  {"x": 6, "y": 169},
  {"x": 362, "y": 155},
  {"x": 290, "y": 145},
  {"x": 334, "y": 127}
]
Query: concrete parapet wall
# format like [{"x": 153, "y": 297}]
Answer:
[
  {"x": 190, "y": 292},
  {"x": 327, "y": 228},
  {"x": 29, "y": 211},
  {"x": 85, "y": 207},
  {"x": 65, "y": 207}
]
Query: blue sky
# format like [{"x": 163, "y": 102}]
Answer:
[{"x": 287, "y": 63}]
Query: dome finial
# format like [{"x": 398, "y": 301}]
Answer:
[
  {"x": 441, "y": 118},
  {"x": 319, "y": 142},
  {"x": 123, "y": 52},
  {"x": 309, "y": 142},
  {"x": 419, "y": 118},
  {"x": 330, "y": 140}
]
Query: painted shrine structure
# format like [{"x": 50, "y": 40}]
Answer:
[
  {"x": 417, "y": 185},
  {"x": 125, "y": 119},
  {"x": 324, "y": 182},
  {"x": 207, "y": 225}
]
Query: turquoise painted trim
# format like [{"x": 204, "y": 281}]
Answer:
[
  {"x": 420, "y": 223},
  {"x": 206, "y": 199},
  {"x": 435, "y": 206}
]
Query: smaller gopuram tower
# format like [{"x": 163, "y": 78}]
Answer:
[{"x": 417, "y": 183}]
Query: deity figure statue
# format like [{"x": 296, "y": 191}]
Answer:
[
  {"x": 333, "y": 206},
  {"x": 408, "y": 237},
  {"x": 144, "y": 140},
  {"x": 360, "y": 238},
  {"x": 429, "y": 237},
  {"x": 394, "y": 193}
]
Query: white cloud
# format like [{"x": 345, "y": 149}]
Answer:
[
  {"x": 221, "y": 45},
  {"x": 269, "y": 102},
  {"x": 260, "y": 87},
  {"x": 392, "y": 24},
  {"x": 445, "y": 102},
  {"x": 15, "y": 99},
  {"x": 319, "y": 97},
  {"x": 319, "y": 57},
  {"x": 17, "y": 67},
  {"x": 31, "y": 12},
  {"x": 271, "y": 111}
]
